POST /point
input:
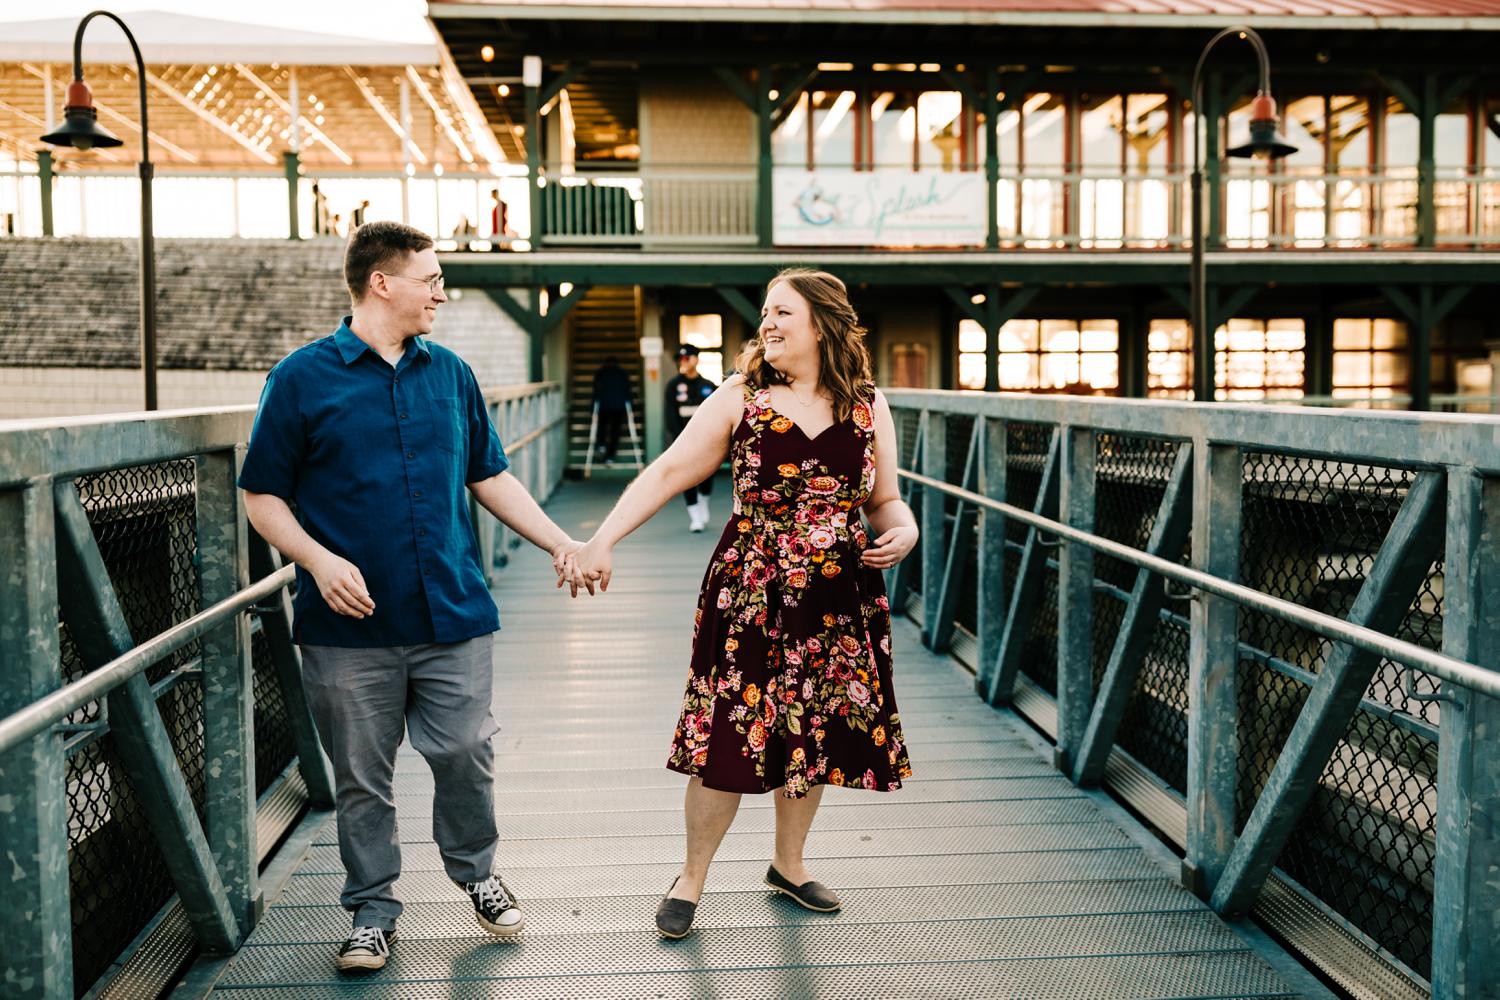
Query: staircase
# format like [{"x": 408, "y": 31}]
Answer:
[{"x": 606, "y": 322}]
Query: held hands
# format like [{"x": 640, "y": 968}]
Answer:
[
  {"x": 342, "y": 587},
  {"x": 587, "y": 566},
  {"x": 890, "y": 548}
]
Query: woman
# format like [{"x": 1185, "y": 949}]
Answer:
[{"x": 791, "y": 675}]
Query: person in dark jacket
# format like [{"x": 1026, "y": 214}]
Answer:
[
  {"x": 686, "y": 391},
  {"x": 611, "y": 396}
]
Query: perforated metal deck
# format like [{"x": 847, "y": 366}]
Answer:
[{"x": 988, "y": 876}]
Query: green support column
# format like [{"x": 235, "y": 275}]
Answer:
[
  {"x": 1466, "y": 895},
  {"x": 44, "y": 178},
  {"x": 36, "y": 920},
  {"x": 1213, "y": 193},
  {"x": 1320, "y": 350},
  {"x": 1427, "y": 163},
  {"x": 1075, "y": 594},
  {"x": 1213, "y": 668},
  {"x": 534, "y": 167},
  {"x": 536, "y": 369},
  {"x": 228, "y": 688},
  {"x": 991, "y": 605},
  {"x": 764, "y": 204},
  {"x": 934, "y": 523},
  {"x": 293, "y": 167},
  {"x": 991, "y": 111}
]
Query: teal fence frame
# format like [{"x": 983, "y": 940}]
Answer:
[
  {"x": 54, "y": 574},
  {"x": 1445, "y": 518}
]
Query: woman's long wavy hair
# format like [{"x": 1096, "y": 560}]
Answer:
[{"x": 843, "y": 357}]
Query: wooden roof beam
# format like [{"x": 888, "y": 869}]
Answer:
[
  {"x": 212, "y": 119},
  {"x": 117, "y": 117},
  {"x": 373, "y": 99},
  {"x": 443, "y": 118},
  {"x": 312, "y": 130}
]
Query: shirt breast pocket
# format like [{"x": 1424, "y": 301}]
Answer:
[{"x": 449, "y": 428}]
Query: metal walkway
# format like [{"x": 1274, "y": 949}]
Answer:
[{"x": 990, "y": 875}]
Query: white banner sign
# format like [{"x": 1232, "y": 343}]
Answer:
[{"x": 844, "y": 207}]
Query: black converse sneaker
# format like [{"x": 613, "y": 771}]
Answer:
[
  {"x": 366, "y": 950},
  {"x": 494, "y": 907}
]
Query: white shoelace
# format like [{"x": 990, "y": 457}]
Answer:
[
  {"x": 371, "y": 939},
  {"x": 492, "y": 893}
]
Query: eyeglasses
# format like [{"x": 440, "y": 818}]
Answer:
[{"x": 434, "y": 284}]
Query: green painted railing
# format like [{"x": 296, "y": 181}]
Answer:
[
  {"x": 1273, "y": 631},
  {"x": 153, "y": 693}
]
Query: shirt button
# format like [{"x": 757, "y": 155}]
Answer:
[
  {"x": 417, "y": 494},
  {"x": 411, "y": 454},
  {"x": 421, "y": 531},
  {"x": 427, "y": 572},
  {"x": 403, "y": 416}
]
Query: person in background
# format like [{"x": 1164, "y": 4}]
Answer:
[
  {"x": 611, "y": 395},
  {"x": 686, "y": 391},
  {"x": 357, "y": 219}
]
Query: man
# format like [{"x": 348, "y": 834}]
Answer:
[
  {"x": 686, "y": 391},
  {"x": 373, "y": 433},
  {"x": 358, "y": 218},
  {"x": 611, "y": 396}
]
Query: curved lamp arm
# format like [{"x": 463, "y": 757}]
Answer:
[
  {"x": 140, "y": 65},
  {"x": 1250, "y": 35}
]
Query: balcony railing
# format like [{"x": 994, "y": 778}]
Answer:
[{"x": 665, "y": 205}]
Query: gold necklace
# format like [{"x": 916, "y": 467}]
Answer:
[{"x": 800, "y": 401}]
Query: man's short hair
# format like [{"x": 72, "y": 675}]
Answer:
[{"x": 379, "y": 246}]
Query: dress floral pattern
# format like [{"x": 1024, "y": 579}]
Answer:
[{"x": 790, "y": 683}]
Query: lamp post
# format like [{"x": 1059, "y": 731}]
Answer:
[
  {"x": 1265, "y": 140},
  {"x": 81, "y": 130}
]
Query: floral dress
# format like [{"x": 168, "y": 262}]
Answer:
[{"x": 790, "y": 683}]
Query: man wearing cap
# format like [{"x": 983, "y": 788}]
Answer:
[{"x": 685, "y": 393}]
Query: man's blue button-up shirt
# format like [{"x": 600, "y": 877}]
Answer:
[{"x": 375, "y": 460}]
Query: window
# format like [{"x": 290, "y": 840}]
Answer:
[
  {"x": 1046, "y": 355},
  {"x": 705, "y": 331},
  {"x": 1169, "y": 366},
  {"x": 1253, "y": 359},
  {"x": 1370, "y": 359},
  {"x": 1259, "y": 359},
  {"x": 971, "y": 355}
]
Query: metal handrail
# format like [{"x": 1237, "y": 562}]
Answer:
[
  {"x": 53, "y": 708},
  {"x": 57, "y": 705},
  {"x": 1448, "y": 668}
]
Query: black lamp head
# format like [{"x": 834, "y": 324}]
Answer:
[
  {"x": 81, "y": 128},
  {"x": 1265, "y": 140}
]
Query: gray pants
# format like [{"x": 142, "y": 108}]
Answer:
[{"x": 361, "y": 699}]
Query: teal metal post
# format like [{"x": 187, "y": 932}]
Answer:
[
  {"x": 958, "y": 550},
  {"x": 764, "y": 203},
  {"x": 1075, "y": 594},
  {"x": 228, "y": 689},
  {"x": 991, "y": 111},
  {"x": 991, "y": 603},
  {"x": 99, "y": 629},
  {"x": 36, "y": 920},
  {"x": 1212, "y": 166},
  {"x": 1466, "y": 894},
  {"x": 1001, "y": 677},
  {"x": 1427, "y": 163},
  {"x": 1213, "y": 668},
  {"x": 1169, "y": 533},
  {"x": 293, "y": 167},
  {"x": 287, "y": 660},
  {"x": 1393, "y": 582},
  {"x": 44, "y": 177},
  {"x": 534, "y": 165},
  {"x": 934, "y": 521}
]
